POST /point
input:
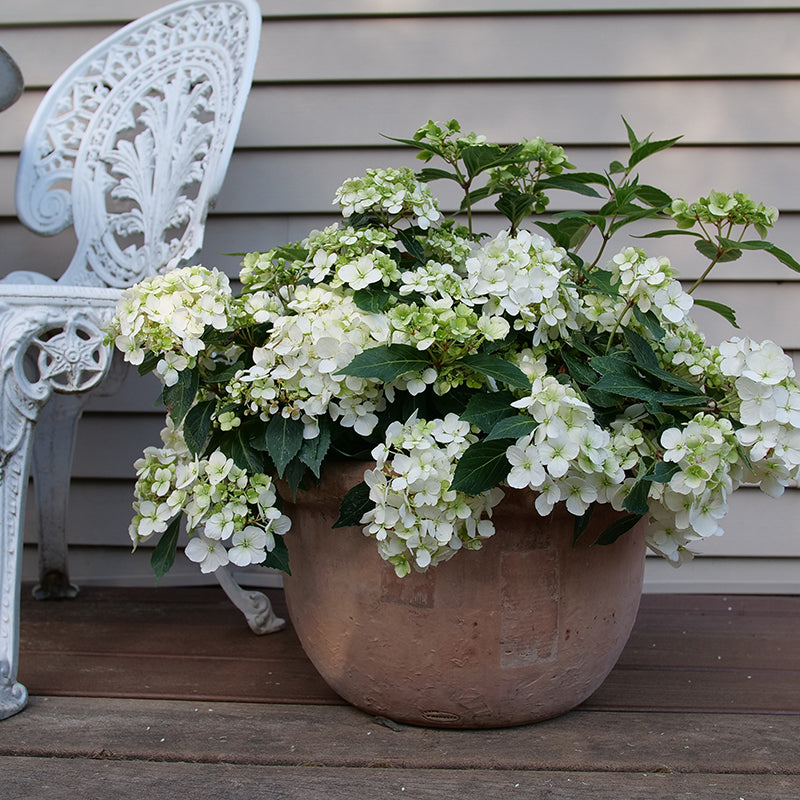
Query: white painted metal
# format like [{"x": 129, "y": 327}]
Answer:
[{"x": 130, "y": 146}]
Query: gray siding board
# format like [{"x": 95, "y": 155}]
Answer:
[
  {"x": 580, "y": 46},
  {"x": 45, "y": 11},
  {"x": 283, "y": 181},
  {"x": 227, "y": 235},
  {"x": 757, "y": 111}
]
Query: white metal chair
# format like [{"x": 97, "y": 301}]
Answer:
[{"x": 130, "y": 146}]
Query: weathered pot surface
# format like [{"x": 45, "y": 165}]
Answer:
[{"x": 520, "y": 631}]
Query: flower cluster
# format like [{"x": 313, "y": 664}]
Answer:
[
  {"x": 462, "y": 363},
  {"x": 168, "y": 316},
  {"x": 231, "y": 515},
  {"x": 390, "y": 193},
  {"x": 296, "y": 373},
  {"x": 720, "y": 208},
  {"x": 418, "y": 519},
  {"x": 567, "y": 457}
]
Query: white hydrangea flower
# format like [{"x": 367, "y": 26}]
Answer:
[{"x": 418, "y": 520}]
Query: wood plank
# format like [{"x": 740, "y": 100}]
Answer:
[
  {"x": 341, "y": 736},
  {"x": 62, "y": 779},
  {"x": 173, "y": 643}
]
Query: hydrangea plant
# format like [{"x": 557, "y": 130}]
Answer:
[{"x": 461, "y": 365}]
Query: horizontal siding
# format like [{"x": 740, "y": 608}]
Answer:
[
  {"x": 746, "y": 534},
  {"x": 285, "y": 181},
  {"x": 231, "y": 234},
  {"x": 755, "y": 111},
  {"x": 44, "y": 11},
  {"x": 542, "y": 47},
  {"x": 331, "y": 78}
]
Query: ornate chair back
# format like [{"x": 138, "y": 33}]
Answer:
[{"x": 131, "y": 144}]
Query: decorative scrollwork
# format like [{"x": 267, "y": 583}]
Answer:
[
  {"x": 140, "y": 130},
  {"x": 73, "y": 358}
]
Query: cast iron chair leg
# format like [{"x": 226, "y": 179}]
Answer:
[{"x": 53, "y": 449}]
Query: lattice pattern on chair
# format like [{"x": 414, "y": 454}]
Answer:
[{"x": 132, "y": 143}]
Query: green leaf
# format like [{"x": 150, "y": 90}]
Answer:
[
  {"x": 632, "y": 214},
  {"x": 475, "y": 196},
  {"x": 719, "y": 308},
  {"x": 512, "y": 428},
  {"x": 602, "y": 279},
  {"x": 373, "y": 301},
  {"x": 197, "y": 425},
  {"x": 627, "y": 383},
  {"x": 313, "y": 451},
  {"x": 754, "y": 244},
  {"x": 429, "y": 174},
  {"x": 179, "y": 398},
  {"x": 497, "y": 368},
  {"x": 278, "y": 558},
  {"x": 486, "y": 410},
  {"x": 244, "y": 455},
  {"x": 295, "y": 474},
  {"x": 582, "y": 523},
  {"x": 617, "y": 529},
  {"x": 648, "y": 361},
  {"x": 653, "y": 196},
  {"x": 483, "y": 465},
  {"x": 649, "y": 320},
  {"x": 354, "y": 505},
  {"x": 149, "y": 363},
  {"x": 567, "y": 233},
  {"x": 387, "y": 362},
  {"x": 578, "y": 369},
  {"x": 291, "y": 252},
  {"x": 224, "y": 372},
  {"x": 668, "y": 232},
  {"x": 568, "y": 183},
  {"x": 515, "y": 206},
  {"x": 636, "y": 501},
  {"x": 633, "y": 142},
  {"x": 662, "y": 472},
  {"x": 711, "y": 251},
  {"x": 644, "y": 354},
  {"x": 416, "y": 144},
  {"x": 411, "y": 243},
  {"x": 480, "y": 157},
  {"x": 283, "y": 440},
  {"x": 646, "y": 148},
  {"x": 784, "y": 258},
  {"x": 163, "y": 556}
]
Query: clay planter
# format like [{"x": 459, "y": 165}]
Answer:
[{"x": 520, "y": 631}]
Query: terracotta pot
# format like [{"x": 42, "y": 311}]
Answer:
[{"x": 520, "y": 631}]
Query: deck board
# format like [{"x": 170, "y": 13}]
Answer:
[
  {"x": 687, "y": 652},
  {"x": 140, "y": 693}
]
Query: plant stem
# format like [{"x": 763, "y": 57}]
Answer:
[{"x": 711, "y": 266}]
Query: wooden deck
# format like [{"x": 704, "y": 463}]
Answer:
[{"x": 153, "y": 693}]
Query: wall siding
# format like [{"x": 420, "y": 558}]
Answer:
[{"x": 331, "y": 78}]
